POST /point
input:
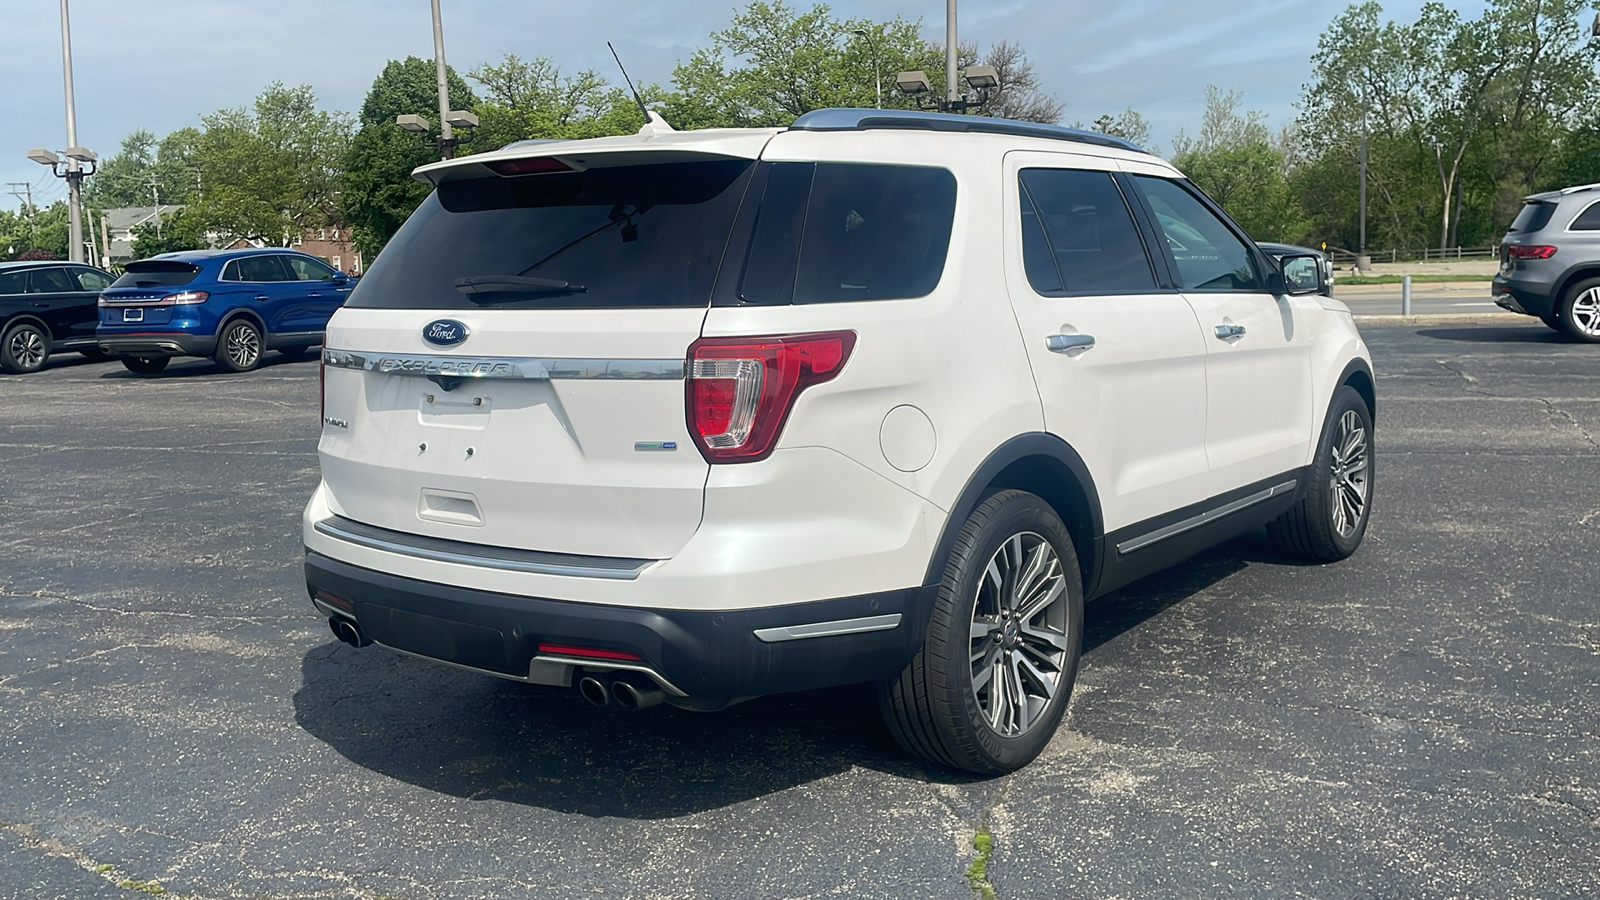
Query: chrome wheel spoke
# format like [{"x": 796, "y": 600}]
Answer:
[
  {"x": 1347, "y": 481},
  {"x": 1018, "y": 639}
]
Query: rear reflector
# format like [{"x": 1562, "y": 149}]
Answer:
[
  {"x": 740, "y": 390},
  {"x": 335, "y": 600},
  {"x": 1531, "y": 251},
  {"x": 588, "y": 652},
  {"x": 537, "y": 165}
]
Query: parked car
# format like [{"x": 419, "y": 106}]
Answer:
[
  {"x": 1279, "y": 251},
  {"x": 1550, "y": 261},
  {"x": 230, "y": 305},
  {"x": 47, "y": 307},
  {"x": 879, "y": 397}
]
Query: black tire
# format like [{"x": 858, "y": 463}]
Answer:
[
  {"x": 932, "y": 707},
  {"x": 95, "y": 354},
  {"x": 1319, "y": 526},
  {"x": 24, "y": 348},
  {"x": 145, "y": 365},
  {"x": 1552, "y": 321},
  {"x": 239, "y": 346},
  {"x": 1579, "y": 311}
]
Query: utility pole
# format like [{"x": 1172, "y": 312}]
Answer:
[
  {"x": 1363, "y": 262},
  {"x": 23, "y": 191},
  {"x": 74, "y": 173},
  {"x": 446, "y": 142},
  {"x": 952, "y": 90}
]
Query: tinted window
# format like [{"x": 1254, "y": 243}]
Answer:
[
  {"x": 1533, "y": 217},
  {"x": 1208, "y": 255},
  {"x": 1588, "y": 220},
  {"x": 630, "y": 236},
  {"x": 50, "y": 281},
  {"x": 865, "y": 232},
  {"x": 1084, "y": 227},
  {"x": 156, "y": 273},
  {"x": 13, "y": 282},
  {"x": 307, "y": 269},
  {"x": 91, "y": 280},
  {"x": 262, "y": 268}
]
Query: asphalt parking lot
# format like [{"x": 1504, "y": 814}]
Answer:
[{"x": 1418, "y": 721}]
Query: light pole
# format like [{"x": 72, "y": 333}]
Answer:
[
  {"x": 449, "y": 119},
  {"x": 73, "y": 173},
  {"x": 950, "y": 87},
  {"x": 877, "y": 74}
]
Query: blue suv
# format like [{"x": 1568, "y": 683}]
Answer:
[{"x": 230, "y": 305}]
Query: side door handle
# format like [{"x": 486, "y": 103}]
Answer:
[
  {"x": 262, "y": 297},
  {"x": 1066, "y": 343},
  {"x": 1229, "y": 332}
]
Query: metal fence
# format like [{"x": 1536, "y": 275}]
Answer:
[{"x": 1435, "y": 254}]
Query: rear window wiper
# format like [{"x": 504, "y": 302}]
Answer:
[{"x": 515, "y": 284}]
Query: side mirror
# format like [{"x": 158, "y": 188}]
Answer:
[
  {"x": 339, "y": 278},
  {"x": 1300, "y": 274}
]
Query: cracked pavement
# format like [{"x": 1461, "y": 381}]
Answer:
[{"x": 1417, "y": 721}]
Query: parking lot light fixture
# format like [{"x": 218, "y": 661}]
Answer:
[
  {"x": 983, "y": 77},
  {"x": 460, "y": 118},
  {"x": 913, "y": 83},
  {"x": 81, "y": 154},
  {"x": 44, "y": 157},
  {"x": 413, "y": 124}
]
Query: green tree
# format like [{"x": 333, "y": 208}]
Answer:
[
  {"x": 34, "y": 228},
  {"x": 262, "y": 174},
  {"x": 1235, "y": 162},
  {"x": 180, "y": 230},
  {"x": 526, "y": 99},
  {"x": 379, "y": 192},
  {"x": 146, "y": 169}
]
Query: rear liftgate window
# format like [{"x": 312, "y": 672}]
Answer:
[
  {"x": 830, "y": 232},
  {"x": 156, "y": 273},
  {"x": 604, "y": 238}
]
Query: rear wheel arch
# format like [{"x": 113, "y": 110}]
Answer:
[
  {"x": 1577, "y": 274},
  {"x": 242, "y": 314},
  {"x": 26, "y": 319},
  {"x": 1043, "y": 465}
]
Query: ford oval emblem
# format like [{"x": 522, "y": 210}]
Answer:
[{"x": 444, "y": 332}]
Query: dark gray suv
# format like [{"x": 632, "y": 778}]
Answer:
[{"x": 1550, "y": 262}]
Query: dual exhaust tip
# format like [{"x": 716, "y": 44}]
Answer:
[{"x": 621, "y": 691}]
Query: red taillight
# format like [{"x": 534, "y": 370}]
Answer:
[
  {"x": 740, "y": 390},
  {"x": 1531, "y": 251},
  {"x": 538, "y": 165},
  {"x": 588, "y": 652},
  {"x": 322, "y": 389},
  {"x": 185, "y": 298}
]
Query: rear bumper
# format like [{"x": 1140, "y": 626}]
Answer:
[
  {"x": 691, "y": 653},
  {"x": 1531, "y": 298},
  {"x": 152, "y": 344}
]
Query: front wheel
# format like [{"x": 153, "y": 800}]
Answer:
[
  {"x": 239, "y": 347},
  {"x": 24, "y": 349},
  {"x": 145, "y": 365},
  {"x": 1000, "y": 653},
  {"x": 1329, "y": 520},
  {"x": 1579, "y": 311}
]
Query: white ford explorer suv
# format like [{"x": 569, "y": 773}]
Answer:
[{"x": 880, "y": 397}]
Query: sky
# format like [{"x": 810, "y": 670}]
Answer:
[{"x": 161, "y": 64}]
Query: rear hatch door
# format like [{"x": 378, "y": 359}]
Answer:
[{"x": 510, "y": 370}]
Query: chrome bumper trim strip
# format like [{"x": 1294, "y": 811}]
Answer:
[
  {"x": 461, "y": 553},
  {"x": 828, "y": 629}
]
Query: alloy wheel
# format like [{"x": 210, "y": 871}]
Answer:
[
  {"x": 243, "y": 346},
  {"x": 1018, "y": 640},
  {"x": 1586, "y": 312},
  {"x": 1347, "y": 484},
  {"x": 27, "y": 348}
]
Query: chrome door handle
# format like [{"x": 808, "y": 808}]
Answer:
[
  {"x": 1064, "y": 343},
  {"x": 262, "y": 297},
  {"x": 1226, "y": 332}
]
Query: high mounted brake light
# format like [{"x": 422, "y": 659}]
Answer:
[
  {"x": 537, "y": 165},
  {"x": 740, "y": 390}
]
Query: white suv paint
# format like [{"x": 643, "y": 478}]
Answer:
[{"x": 880, "y": 397}]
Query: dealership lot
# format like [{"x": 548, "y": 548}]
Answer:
[{"x": 1420, "y": 720}]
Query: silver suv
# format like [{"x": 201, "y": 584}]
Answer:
[{"x": 1550, "y": 262}]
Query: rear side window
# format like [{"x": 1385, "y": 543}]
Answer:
[
  {"x": 307, "y": 269},
  {"x": 156, "y": 273},
  {"x": 50, "y": 281},
  {"x": 91, "y": 280},
  {"x": 258, "y": 268},
  {"x": 613, "y": 237},
  {"x": 1588, "y": 220},
  {"x": 13, "y": 282},
  {"x": 1534, "y": 217},
  {"x": 831, "y": 232},
  {"x": 1078, "y": 235}
]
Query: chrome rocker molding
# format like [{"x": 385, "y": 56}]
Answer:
[
  {"x": 503, "y": 558},
  {"x": 528, "y": 368},
  {"x": 1210, "y": 515},
  {"x": 828, "y": 629}
]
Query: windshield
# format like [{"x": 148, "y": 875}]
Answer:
[{"x": 633, "y": 236}]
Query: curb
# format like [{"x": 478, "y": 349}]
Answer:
[{"x": 1506, "y": 318}]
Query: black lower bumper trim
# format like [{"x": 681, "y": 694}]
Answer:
[
  {"x": 713, "y": 654},
  {"x": 152, "y": 345}
]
